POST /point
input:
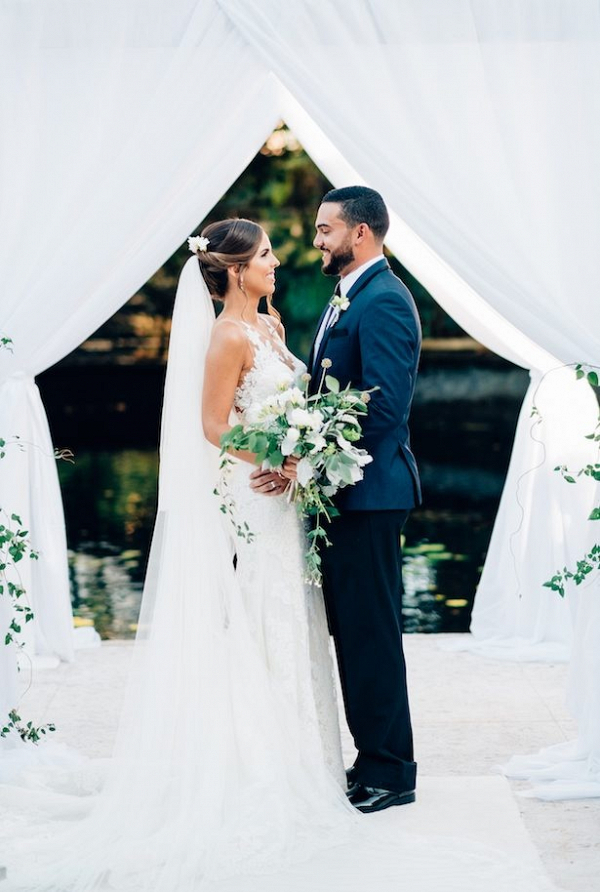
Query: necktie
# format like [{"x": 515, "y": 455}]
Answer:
[{"x": 328, "y": 319}]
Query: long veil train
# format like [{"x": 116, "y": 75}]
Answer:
[
  {"x": 206, "y": 790},
  {"x": 201, "y": 783}
]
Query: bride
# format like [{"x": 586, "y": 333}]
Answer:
[
  {"x": 227, "y": 773},
  {"x": 228, "y": 756}
]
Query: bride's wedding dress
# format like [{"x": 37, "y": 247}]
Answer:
[
  {"x": 228, "y": 755},
  {"x": 285, "y": 616},
  {"x": 227, "y": 772}
]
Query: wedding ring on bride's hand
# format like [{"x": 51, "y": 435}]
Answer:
[{"x": 273, "y": 484}]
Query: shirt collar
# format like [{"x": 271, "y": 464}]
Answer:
[{"x": 348, "y": 281}]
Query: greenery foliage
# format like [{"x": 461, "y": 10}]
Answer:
[
  {"x": 319, "y": 430},
  {"x": 14, "y": 547},
  {"x": 281, "y": 188},
  {"x": 590, "y": 562}
]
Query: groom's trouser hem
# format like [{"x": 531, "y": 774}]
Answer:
[{"x": 363, "y": 595}]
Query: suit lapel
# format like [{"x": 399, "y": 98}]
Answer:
[
  {"x": 311, "y": 356},
  {"x": 367, "y": 277},
  {"x": 358, "y": 286}
]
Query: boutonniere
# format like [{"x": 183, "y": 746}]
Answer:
[{"x": 339, "y": 303}]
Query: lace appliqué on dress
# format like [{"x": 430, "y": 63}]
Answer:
[{"x": 287, "y": 616}]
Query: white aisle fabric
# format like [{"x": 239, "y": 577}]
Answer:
[
  {"x": 464, "y": 834},
  {"x": 571, "y": 770}
]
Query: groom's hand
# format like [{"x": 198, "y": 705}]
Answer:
[
  {"x": 289, "y": 467},
  {"x": 268, "y": 483}
]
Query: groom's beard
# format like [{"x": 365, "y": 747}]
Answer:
[{"x": 338, "y": 261}]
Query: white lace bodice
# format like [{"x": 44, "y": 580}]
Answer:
[
  {"x": 274, "y": 367},
  {"x": 286, "y": 616}
]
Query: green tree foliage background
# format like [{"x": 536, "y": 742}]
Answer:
[{"x": 281, "y": 189}]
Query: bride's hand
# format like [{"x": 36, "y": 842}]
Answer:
[
  {"x": 289, "y": 467},
  {"x": 268, "y": 483}
]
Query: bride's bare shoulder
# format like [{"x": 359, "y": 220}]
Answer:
[
  {"x": 228, "y": 337},
  {"x": 228, "y": 331}
]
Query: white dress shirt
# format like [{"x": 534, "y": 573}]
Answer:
[{"x": 346, "y": 282}]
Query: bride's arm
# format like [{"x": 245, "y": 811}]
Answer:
[{"x": 226, "y": 359}]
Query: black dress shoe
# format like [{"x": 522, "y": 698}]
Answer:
[
  {"x": 368, "y": 799},
  {"x": 351, "y": 776}
]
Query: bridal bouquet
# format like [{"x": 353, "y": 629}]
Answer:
[{"x": 321, "y": 431}]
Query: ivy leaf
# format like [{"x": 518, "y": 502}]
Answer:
[
  {"x": 595, "y": 515},
  {"x": 592, "y": 378},
  {"x": 276, "y": 458}
]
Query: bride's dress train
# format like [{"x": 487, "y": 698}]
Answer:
[{"x": 227, "y": 771}]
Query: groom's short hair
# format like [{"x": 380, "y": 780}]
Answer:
[{"x": 359, "y": 204}]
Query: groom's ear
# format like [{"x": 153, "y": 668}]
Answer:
[{"x": 363, "y": 233}]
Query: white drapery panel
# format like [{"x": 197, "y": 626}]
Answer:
[
  {"x": 123, "y": 124},
  {"x": 462, "y": 114}
]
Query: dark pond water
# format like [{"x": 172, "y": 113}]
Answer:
[{"x": 463, "y": 424}]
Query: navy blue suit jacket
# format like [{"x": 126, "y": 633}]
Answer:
[{"x": 376, "y": 342}]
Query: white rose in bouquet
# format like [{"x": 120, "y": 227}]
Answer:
[
  {"x": 299, "y": 417},
  {"x": 321, "y": 430},
  {"x": 288, "y": 444}
]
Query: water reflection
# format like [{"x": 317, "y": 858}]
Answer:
[
  {"x": 104, "y": 590},
  {"x": 110, "y": 501}
]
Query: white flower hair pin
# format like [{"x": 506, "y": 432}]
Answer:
[
  {"x": 339, "y": 303},
  {"x": 198, "y": 244}
]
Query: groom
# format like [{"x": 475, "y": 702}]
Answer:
[{"x": 373, "y": 342}]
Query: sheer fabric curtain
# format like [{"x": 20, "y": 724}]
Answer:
[
  {"x": 479, "y": 123},
  {"x": 124, "y": 124}
]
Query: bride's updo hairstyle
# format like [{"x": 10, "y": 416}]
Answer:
[
  {"x": 231, "y": 242},
  {"x": 226, "y": 243}
]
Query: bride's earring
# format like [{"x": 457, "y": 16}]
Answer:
[{"x": 240, "y": 280}]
